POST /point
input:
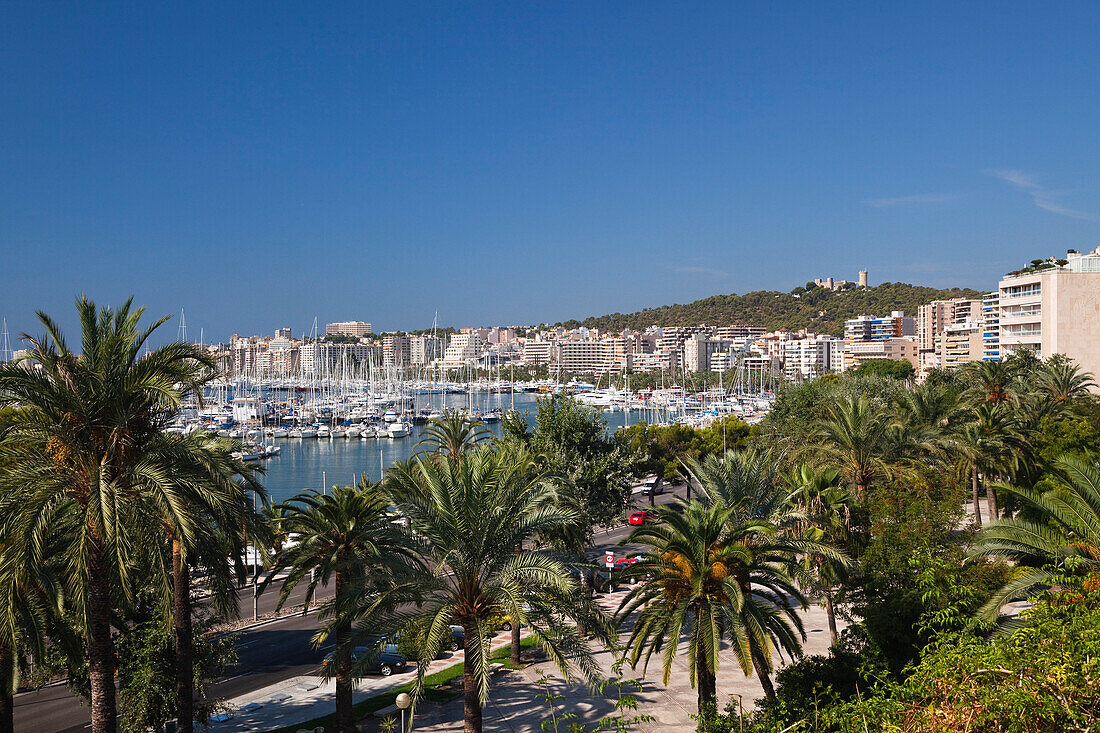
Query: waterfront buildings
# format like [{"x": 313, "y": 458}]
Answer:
[{"x": 358, "y": 329}]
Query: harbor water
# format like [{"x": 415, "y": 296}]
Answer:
[{"x": 304, "y": 464}]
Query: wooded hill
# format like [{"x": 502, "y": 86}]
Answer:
[{"x": 816, "y": 309}]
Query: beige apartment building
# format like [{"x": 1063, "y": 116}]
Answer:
[
  {"x": 358, "y": 329},
  {"x": 1054, "y": 309},
  {"x": 949, "y": 333}
]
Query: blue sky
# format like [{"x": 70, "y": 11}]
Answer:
[{"x": 262, "y": 165}]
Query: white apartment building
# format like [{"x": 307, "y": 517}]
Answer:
[
  {"x": 425, "y": 349},
  {"x": 538, "y": 352},
  {"x": 811, "y": 357},
  {"x": 1054, "y": 309},
  {"x": 463, "y": 349},
  {"x": 959, "y": 317}
]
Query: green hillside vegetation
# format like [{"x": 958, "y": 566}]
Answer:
[{"x": 813, "y": 308}]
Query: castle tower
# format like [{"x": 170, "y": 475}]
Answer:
[{"x": 863, "y": 278}]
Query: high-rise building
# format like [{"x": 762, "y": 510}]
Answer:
[
  {"x": 425, "y": 349},
  {"x": 991, "y": 326},
  {"x": 962, "y": 317},
  {"x": 396, "y": 350},
  {"x": 1053, "y": 309},
  {"x": 358, "y": 329}
]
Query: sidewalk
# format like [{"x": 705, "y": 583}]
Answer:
[{"x": 299, "y": 700}]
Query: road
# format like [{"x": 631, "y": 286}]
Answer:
[{"x": 269, "y": 653}]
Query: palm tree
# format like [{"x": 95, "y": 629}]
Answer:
[
  {"x": 688, "y": 587},
  {"x": 470, "y": 515},
  {"x": 825, "y": 509},
  {"x": 200, "y": 494},
  {"x": 31, "y": 606},
  {"x": 1062, "y": 381},
  {"x": 855, "y": 437},
  {"x": 760, "y": 521},
  {"x": 89, "y": 449},
  {"x": 1064, "y": 538},
  {"x": 989, "y": 445},
  {"x": 994, "y": 382},
  {"x": 345, "y": 537},
  {"x": 453, "y": 434}
]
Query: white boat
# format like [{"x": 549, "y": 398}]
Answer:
[
  {"x": 295, "y": 433},
  {"x": 397, "y": 430},
  {"x": 339, "y": 432},
  {"x": 270, "y": 451},
  {"x": 389, "y": 416},
  {"x": 309, "y": 433},
  {"x": 435, "y": 415},
  {"x": 353, "y": 432},
  {"x": 323, "y": 432},
  {"x": 369, "y": 431}
]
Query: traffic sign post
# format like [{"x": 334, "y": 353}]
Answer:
[{"x": 609, "y": 561}]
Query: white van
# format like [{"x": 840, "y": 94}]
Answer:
[{"x": 650, "y": 486}]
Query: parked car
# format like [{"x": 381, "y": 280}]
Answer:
[
  {"x": 623, "y": 563},
  {"x": 643, "y": 517},
  {"x": 384, "y": 663}
]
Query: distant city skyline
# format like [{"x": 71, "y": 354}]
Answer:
[{"x": 263, "y": 166}]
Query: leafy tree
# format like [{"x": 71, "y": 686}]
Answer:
[
  {"x": 892, "y": 368},
  {"x": 573, "y": 442},
  {"x": 825, "y": 509}
]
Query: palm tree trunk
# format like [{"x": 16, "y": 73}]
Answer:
[
  {"x": 830, "y": 611},
  {"x": 181, "y": 622},
  {"x": 345, "y": 714},
  {"x": 99, "y": 645},
  {"x": 707, "y": 686},
  {"x": 471, "y": 696},
  {"x": 991, "y": 499},
  {"x": 974, "y": 487},
  {"x": 762, "y": 672},
  {"x": 515, "y": 632},
  {"x": 7, "y": 683}
]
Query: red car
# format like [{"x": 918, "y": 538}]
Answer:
[
  {"x": 624, "y": 562},
  {"x": 643, "y": 517}
]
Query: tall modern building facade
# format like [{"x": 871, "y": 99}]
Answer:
[{"x": 1053, "y": 309}]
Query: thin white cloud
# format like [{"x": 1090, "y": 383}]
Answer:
[
  {"x": 1042, "y": 197},
  {"x": 709, "y": 271},
  {"x": 919, "y": 198}
]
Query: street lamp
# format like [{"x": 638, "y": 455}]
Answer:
[{"x": 403, "y": 702}]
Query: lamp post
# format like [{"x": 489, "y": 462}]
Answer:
[{"x": 403, "y": 702}]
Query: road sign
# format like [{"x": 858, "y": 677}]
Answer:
[{"x": 609, "y": 559}]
